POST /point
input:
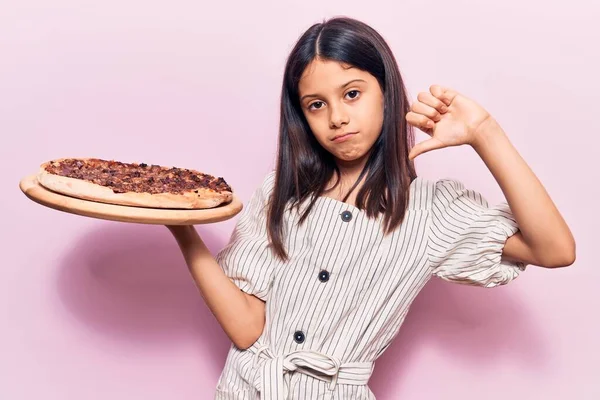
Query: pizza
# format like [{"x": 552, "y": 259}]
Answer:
[{"x": 133, "y": 184}]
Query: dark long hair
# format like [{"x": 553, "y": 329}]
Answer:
[{"x": 304, "y": 167}]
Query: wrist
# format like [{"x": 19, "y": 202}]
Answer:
[
  {"x": 185, "y": 235},
  {"x": 486, "y": 133}
]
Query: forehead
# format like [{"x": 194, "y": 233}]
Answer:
[{"x": 327, "y": 74}]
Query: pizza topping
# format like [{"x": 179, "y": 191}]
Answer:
[{"x": 130, "y": 177}]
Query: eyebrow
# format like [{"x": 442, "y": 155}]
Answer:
[{"x": 341, "y": 87}]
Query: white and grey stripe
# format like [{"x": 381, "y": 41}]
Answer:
[{"x": 349, "y": 319}]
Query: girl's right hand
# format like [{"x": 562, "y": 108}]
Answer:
[
  {"x": 185, "y": 235},
  {"x": 179, "y": 229}
]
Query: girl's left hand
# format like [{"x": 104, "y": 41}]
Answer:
[{"x": 450, "y": 118}]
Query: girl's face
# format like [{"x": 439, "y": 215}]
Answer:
[{"x": 337, "y": 100}]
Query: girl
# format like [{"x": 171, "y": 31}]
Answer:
[{"x": 335, "y": 244}]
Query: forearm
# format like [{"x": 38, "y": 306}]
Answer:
[
  {"x": 240, "y": 315},
  {"x": 541, "y": 224}
]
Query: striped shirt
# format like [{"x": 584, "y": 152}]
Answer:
[{"x": 336, "y": 305}]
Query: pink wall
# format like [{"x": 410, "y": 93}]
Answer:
[{"x": 94, "y": 309}]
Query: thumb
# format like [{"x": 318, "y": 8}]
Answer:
[{"x": 424, "y": 147}]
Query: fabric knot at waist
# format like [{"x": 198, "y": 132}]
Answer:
[{"x": 275, "y": 378}]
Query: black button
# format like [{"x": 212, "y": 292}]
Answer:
[
  {"x": 346, "y": 216},
  {"x": 299, "y": 336},
  {"x": 323, "y": 276}
]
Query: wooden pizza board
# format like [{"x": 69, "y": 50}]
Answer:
[{"x": 144, "y": 215}]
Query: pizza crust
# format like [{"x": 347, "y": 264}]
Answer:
[{"x": 82, "y": 189}]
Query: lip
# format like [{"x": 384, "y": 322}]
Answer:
[{"x": 344, "y": 136}]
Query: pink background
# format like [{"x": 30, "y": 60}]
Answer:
[{"x": 93, "y": 309}]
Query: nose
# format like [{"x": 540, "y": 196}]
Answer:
[{"x": 338, "y": 117}]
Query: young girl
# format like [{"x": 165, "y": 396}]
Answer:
[{"x": 333, "y": 247}]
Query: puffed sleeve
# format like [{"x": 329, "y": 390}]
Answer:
[
  {"x": 467, "y": 236},
  {"x": 247, "y": 259}
]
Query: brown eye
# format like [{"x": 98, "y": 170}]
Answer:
[
  {"x": 313, "y": 104},
  {"x": 354, "y": 92}
]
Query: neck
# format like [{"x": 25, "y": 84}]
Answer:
[
  {"x": 349, "y": 173},
  {"x": 350, "y": 170}
]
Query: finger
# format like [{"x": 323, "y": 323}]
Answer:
[
  {"x": 420, "y": 121},
  {"x": 424, "y": 147},
  {"x": 426, "y": 110},
  {"x": 432, "y": 101},
  {"x": 443, "y": 93}
]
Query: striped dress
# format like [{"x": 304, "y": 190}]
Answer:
[{"x": 336, "y": 305}]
